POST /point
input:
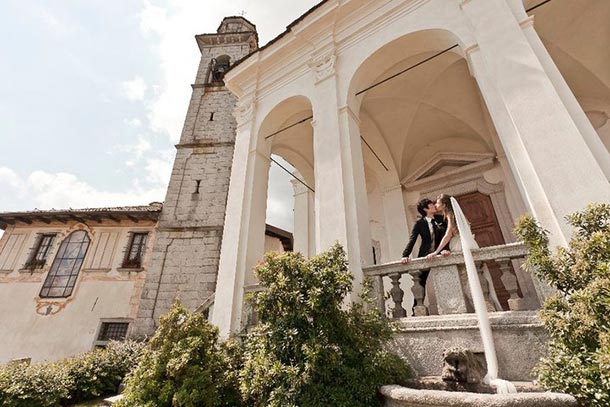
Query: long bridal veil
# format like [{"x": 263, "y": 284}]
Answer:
[{"x": 468, "y": 244}]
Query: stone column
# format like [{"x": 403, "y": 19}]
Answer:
[
  {"x": 554, "y": 167},
  {"x": 304, "y": 234},
  {"x": 590, "y": 136},
  {"x": 341, "y": 207},
  {"x": 395, "y": 219},
  {"x": 243, "y": 237}
]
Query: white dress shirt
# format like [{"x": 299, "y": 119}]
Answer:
[{"x": 431, "y": 229}]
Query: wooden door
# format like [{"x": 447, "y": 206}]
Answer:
[{"x": 480, "y": 212}]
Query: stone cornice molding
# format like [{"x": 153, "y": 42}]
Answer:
[
  {"x": 211, "y": 40},
  {"x": 478, "y": 162}
]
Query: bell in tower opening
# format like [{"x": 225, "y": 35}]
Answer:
[{"x": 218, "y": 67}]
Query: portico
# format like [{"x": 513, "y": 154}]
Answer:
[{"x": 475, "y": 107}]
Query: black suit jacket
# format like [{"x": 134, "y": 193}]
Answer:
[{"x": 421, "y": 229}]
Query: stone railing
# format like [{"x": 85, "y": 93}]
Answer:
[{"x": 447, "y": 281}]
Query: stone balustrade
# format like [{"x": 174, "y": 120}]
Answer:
[{"x": 447, "y": 281}]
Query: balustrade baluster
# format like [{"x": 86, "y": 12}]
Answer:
[
  {"x": 398, "y": 295},
  {"x": 419, "y": 309},
  {"x": 378, "y": 288},
  {"x": 515, "y": 303},
  {"x": 485, "y": 287}
]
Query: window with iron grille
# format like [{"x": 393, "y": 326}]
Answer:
[
  {"x": 41, "y": 251},
  {"x": 113, "y": 331},
  {"x": 135, "y": 251},
  {"x": 65, "y": 268}
]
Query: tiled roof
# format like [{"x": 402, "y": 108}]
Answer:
[{"x": 134, "y": 213}]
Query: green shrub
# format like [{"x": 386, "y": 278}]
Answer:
[
  {"x": 100, "y": 371},
  {"x": 83, "y": 377},
  {"x": 578, "y": 317},
  {"x": 310, "y": 349},
  {"x": 183, "y": 366},
  {"x": 38, "y": 385}
]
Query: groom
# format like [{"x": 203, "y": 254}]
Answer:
[{"x": 430, "y": 230}]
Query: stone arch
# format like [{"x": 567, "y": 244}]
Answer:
[
  {"x": 386, "y": 54},
  {"x": 286, "y": 131}
]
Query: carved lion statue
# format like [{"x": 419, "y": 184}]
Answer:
[{"x": 462, "y": 366}]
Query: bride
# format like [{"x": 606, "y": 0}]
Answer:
[{"x": 445, "y": 207}]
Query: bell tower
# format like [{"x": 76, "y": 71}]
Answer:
[{"x": 189, "y": 233}]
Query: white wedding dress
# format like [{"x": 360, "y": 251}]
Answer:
[{"x": 455, "y": 246}]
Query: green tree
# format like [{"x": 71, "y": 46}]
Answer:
[
  {"x": 578, "y": 317},
  {"x": 183, "y": 366},
  {"x": 310, "y": 349}
]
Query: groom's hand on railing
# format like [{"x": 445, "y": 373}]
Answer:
[{"x": 405, "y": 260}]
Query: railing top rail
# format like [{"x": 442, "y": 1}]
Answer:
[{"x": 506, "y": 251}]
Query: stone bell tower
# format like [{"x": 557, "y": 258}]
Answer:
[{"x": 187, "y": 246}]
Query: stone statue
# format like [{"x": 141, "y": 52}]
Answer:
[{"x": 462, "y": 366}]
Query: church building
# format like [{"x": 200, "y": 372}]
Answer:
[{"x": 503, "y": 104}]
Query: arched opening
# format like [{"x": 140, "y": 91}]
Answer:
[
  {"x": 426, "y": 130},
  {"x": 288, "y": 135}
]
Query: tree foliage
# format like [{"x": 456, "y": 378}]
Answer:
[
  {"x": 310, "y": 349},
  {"x": 83, "y": 377},
  {"x": 578, "y": 317},
  {"x": 183, "y": 366}
]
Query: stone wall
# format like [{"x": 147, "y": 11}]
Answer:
[
  {"x": 189, "y": 235},
  {"x": 54, "y": 328},
  {"x": 519, "y": 338}
]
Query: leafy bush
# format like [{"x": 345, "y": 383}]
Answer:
[
  {"x": 578, "y": 318},
  {"x": 310, "y": 349},
  {"x": 83, "y": 377},
  {"x": 39, "y": 385},
  {"x": 99, "y": 372},
  {"x": 183, "y": 366}
]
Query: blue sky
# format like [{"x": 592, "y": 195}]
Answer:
[{"x": 94, "y": 95}]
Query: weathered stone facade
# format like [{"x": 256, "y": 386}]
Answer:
[{"x": 187, "y": 248}]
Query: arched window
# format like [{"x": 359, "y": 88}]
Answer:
[
  {"x": 220, "y": 66},
  {"x": 64, "y": 270}
]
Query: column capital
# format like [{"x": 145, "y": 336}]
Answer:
[
  {"x": 323, "y": 65},
  {"x": 244, "y": 110},
  {"x": 347, "y": 109},
  {"x": 298, "y": 186},
  {"x": 392, "y": 188}
]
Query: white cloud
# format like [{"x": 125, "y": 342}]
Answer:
[
  {"x": 134, "y": 89},
  {"x": 9, "y": 178},
  {"x": 280, "y": 197},
  {"x": 172, "y": 29},
  {"x": 159, "y": 170},
  {"x": 44, "y": 190},
  {"x": 49, "y": 20},
  {"x": 135, "y": 122},
  {"x": 136, "y": 150},
  {"x": 178, "y": 60}
]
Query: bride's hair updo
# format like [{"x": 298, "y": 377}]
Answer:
[{"x": 446, "y": 200}]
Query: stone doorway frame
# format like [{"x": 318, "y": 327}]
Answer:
[{"x": 467, "y": 179}]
